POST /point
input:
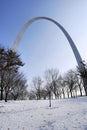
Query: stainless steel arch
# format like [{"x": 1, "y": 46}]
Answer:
[{"x": 74, "y": 48}]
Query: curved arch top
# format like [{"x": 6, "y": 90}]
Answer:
[{"x": 74, "y": 48}]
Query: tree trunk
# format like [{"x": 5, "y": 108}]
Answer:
[
  {"x": 85, "y": 84},
  {"x": 75, "y": 93},
  {"x": 49, "y": 98},
  {"x": 71, "y": 94},
  {"x": 63, "y": 94},
  {"x": 1, "y": 88},
  {"x": 15, "y": 97},
  {"x": 6, "y": 96},
  {"x": 67, "y": 94},
  {"x": 1, "y": 93},
  {"x": 80, "y": 90},
  {"x": 39, "y": 95}
]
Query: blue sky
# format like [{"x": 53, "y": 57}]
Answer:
[{"x": 43, "y": 45}]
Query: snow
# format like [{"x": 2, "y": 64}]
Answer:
[{"x": 65, "y": 114}]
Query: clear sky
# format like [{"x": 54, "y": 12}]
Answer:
[{"x": 43, "y": 45}]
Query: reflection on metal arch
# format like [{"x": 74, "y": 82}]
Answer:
[{"x": 72, "y": 44}]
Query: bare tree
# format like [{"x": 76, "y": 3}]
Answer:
[
  {"x": 32, "y": 95},
  {"x": 51, "y": 77},
  {"x": 79, "y": 82},
  {"x": 80, "y": 85},
  {"x": 44, "y": 93},
  {"x": 18, "y": 87},
  {"x": 62, "y": 86},
  {"x": 37, "y": 84},
  {"x": 58, "y": 90},
  {"x": 83, "y": 73},
  {"x": 70, "y": 81}
]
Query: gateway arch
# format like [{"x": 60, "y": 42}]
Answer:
[{"x": 72, "y": 44}]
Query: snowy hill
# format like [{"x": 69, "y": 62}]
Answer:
[{"x": 65, "y": 114}]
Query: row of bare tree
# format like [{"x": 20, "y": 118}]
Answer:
[
  {"x": 56, "y": 86},
  {"x": 12, "y": 82}
]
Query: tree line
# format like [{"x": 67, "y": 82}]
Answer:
[
  {"x": 13, "y": 84},
  {"x": 56, "y": 86}
]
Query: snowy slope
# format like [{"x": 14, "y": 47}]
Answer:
[{"x": 65, "y": 114}]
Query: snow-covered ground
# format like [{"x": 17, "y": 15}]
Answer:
[{"x": 65, "y": 114}]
